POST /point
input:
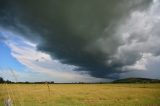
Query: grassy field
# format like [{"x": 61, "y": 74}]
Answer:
[{"x": 81, "y": 94}]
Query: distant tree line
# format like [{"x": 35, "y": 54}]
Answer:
[
  {"x": 4, "y": 81},
  {"x": 41, "y": 82},
  {"x": 126, "y": 80},
  {"x": 10, "y": 82}
]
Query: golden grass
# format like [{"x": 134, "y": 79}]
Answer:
[{"x": 81, "y": 94}]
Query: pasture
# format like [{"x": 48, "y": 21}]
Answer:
[{"x": 81, "y": 94}]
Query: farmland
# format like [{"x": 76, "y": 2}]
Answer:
[{"x": 81, "y": 94}]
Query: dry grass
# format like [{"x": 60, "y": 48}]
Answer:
[{"x": 82, "y": 94}]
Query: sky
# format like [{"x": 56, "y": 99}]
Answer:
[{"x": 79, "y": 41}]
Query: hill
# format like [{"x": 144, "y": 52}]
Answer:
[{"x": 137, "y": 80}]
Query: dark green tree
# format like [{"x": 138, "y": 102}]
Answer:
[{"x": 1, "y": 80}]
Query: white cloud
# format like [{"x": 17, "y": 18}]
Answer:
[
  {"x": 41, "y": 63},
  {"x": 139, "y": 37},
  {"x": 152, "y": 66},
  {"x": 140, "y": 41},
  {"x": 140, "y": 64}
]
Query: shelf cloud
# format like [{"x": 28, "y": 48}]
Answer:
[{"x": 102, "y": 37}]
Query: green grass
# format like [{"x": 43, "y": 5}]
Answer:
[{"x": 81, "y": 94}]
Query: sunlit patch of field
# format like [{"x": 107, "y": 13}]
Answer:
[{"x": 81, "y": 94}]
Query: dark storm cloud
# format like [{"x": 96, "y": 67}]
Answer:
[{"x": 74, "y": 31}]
